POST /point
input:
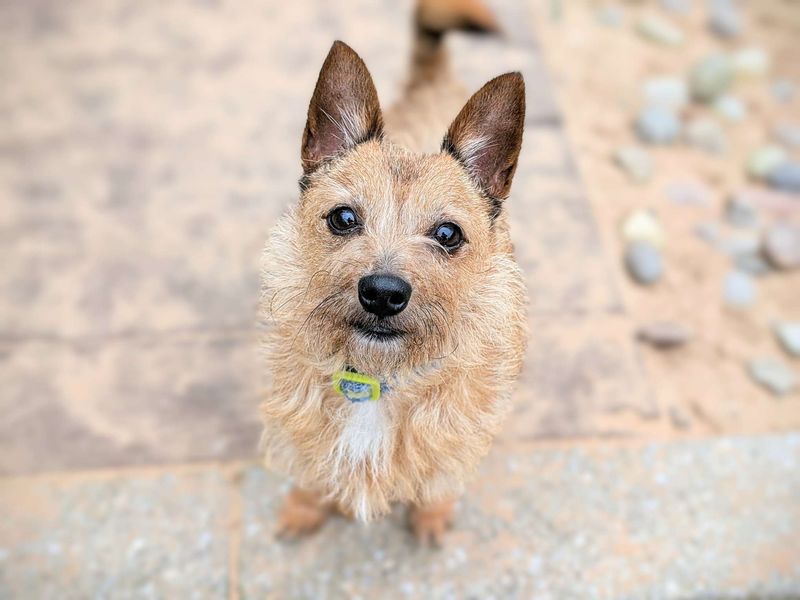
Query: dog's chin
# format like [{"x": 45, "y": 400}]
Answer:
[
  {"x": 372, "y": 346},
  {"x": 377, "y": 334}
]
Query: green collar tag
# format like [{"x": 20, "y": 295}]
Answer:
[{"x": 356, "y": 387}]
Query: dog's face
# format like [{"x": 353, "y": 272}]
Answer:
[{"x": 385, "y": 262}]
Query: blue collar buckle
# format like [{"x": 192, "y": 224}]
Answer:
[{"x": 356, "y": 387}]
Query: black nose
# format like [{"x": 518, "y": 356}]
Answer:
[{"x": 383, "y": 295}]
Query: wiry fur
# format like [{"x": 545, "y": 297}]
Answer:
[{"x": 455, "y": 367}]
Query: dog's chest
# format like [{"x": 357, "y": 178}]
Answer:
[{"x": 365, "y": 435}]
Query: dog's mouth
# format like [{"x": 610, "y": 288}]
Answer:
[{"x": 377, "y": 331}]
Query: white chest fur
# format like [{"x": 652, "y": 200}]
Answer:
[
  {"x": 363, "y": 447},
  {"x": 365, "y": 436}
]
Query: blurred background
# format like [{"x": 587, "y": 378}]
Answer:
[{"x": 146, "y": 148}]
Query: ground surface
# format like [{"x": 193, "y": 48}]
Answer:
[
  {"x": 707, "y": 381},
  {"x": 145, "y": 150}
]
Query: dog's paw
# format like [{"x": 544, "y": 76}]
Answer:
[
  {"x": 430, "y": 522},
  {"x": 302, "y": 513},
  {"x": 345, "y": 512}
]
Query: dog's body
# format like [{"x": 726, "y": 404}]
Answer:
[{"x": 386, "y": 203}]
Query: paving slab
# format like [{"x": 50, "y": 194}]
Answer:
[
  {"x": 555, "y": 235},
  {"x": 147, "y": 536},
  {"x": 710, "y": 519},
  {"x": 583, "y": 380},
  {"x": 135, "y": 400},
  {"x": 681, "y": 520}
]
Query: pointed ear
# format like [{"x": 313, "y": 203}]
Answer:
[
  {"x": 486, "y": 136},
  {"x": 344, "y": 109}
]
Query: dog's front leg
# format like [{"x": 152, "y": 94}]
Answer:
[
  {"x": 430, "y": 521},
  {"x": 303, "y": 512}
]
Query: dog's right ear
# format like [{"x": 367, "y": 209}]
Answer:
[{"x": 344, "y": 109}]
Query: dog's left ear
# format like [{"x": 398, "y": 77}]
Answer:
[
  {"x": 344, "y": 109},
  {"x": 486, "y": 136}
]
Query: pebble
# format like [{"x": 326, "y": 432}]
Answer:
[
  {"x": 691, "y": 193},
  {"x": 788, "y": 134},
  {"x": 643, "y": 226},
  {"x": 751, "y": 263},
  {"x": 671, "y": 92},
  {"x": 677, "y": 6},
  {"x": 708, "y": 232},
  {"x": 739, "y": 289},
  {"x": 636, "y": 162},
  {"x": 782, "y": 245},
  {"x": 788, "y": 334},
  {"x": 710, "y": 77},
  {"x": 765, "y": 160},
  {"x": 664, "y": 334},
  {"x": 751, "y": 62},
  {"x": 658, "y": 125},
  {"x": 556, "y": 10},
  {"x": 772, "y": 203},
  {"x": 745, "y": 254},
  {"x": 610, "y": 16},
  {"x": 706, "y": 134},
  {"x": 644, "y": 262},
  {"x": 724, "y": 19},
  {"x": 737, "y": 245},
  {"x": 730, "y": 108},
  {"x": 773, "y": 374},
  {"x": 783, "y": 90},
  {"x": 740, "y": 212},
  {"x": 656, "y": 29},
  {"x": 785, "y": 177}
]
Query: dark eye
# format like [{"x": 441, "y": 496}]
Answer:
[
  {"x": 449, "y": 236},
  {"x": 342, "y": 220}
]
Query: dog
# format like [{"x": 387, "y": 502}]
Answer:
[{"x": 395, "y": 308}]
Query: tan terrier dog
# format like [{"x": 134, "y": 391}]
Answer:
[{"x": 395, "y": 305}]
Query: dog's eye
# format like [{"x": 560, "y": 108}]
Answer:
[
  {"x": 449, "y": 236},
  {"x": 342, "y": 220}
]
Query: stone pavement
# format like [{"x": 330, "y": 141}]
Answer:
[
  {"x": 145, "y": 150},
  {"x": 695, "y": 519}
]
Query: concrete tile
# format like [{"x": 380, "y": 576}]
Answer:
[
  {"x": 683, "y": 520},
  {"x": 148, "y": 536},
  {"x": 479, "y": 59},
  {"x": 555, "y": 235},
  {"x": 128, "y": 401},
  {"x": 140, "y": 180},
  {"x": 581, "y": 378}
]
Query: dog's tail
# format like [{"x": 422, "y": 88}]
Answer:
[{"x": 433, "y": 18}]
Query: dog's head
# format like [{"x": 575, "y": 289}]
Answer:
[{"x": 392, "y": 259}]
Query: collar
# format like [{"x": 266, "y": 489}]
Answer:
[{"x": 360, "y": 387}]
